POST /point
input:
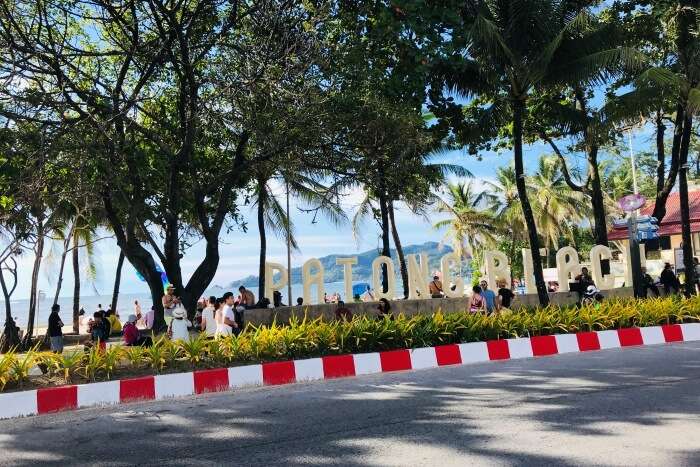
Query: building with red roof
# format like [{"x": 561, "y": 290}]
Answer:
[{"x": 670, "y": 226}]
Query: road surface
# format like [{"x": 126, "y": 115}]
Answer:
[{"x": 632, "y": 406}]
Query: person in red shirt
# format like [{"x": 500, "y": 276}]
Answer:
[{"x": 132, "y": 336}]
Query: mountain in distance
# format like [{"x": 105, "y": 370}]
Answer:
[{"x": 362, "y": 271}]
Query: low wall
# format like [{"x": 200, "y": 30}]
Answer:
[{"x": 408, "y": 307}]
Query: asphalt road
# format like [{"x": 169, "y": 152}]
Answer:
[{"x": 633, "y": 406}]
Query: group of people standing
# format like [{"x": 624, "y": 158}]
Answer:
[{"x": 485, "y": 300}]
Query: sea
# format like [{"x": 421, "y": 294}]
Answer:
[{"x": 125, "y": 303}]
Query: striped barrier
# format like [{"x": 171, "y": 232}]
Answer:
[{"x": 57, "y": 399}]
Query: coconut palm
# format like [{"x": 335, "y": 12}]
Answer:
[
  {"x": 471, "y": 224},
  {"x": 512, "y": 48},
  {"x": 272, "y": 215}
]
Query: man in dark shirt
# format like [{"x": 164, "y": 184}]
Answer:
[
  {"x": 505, "y": 295},
  {"x": 56, "y": 329},
  {"x": 669, "y": 280}
]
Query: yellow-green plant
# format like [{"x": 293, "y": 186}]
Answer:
[
  {"x": 194, "y": 349},
  {"x": 93, "y": 362},
  {"x": 135, "y": 355},
  {"x": 22, "y": 366},
  {"x": 112, "y": 357},
  {"x": 68, "y": 364},
  {"x": 7, "y": 361}
]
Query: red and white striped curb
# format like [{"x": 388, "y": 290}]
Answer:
[{"x": 48, "y": 400}]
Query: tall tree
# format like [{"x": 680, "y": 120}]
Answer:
[{"x": 503, "y": 55}]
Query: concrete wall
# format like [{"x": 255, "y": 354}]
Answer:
[{"x": 408, "y": 307}]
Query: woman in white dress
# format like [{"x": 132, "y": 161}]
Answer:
[
  {"x": 221, "y": 328},
  {"x": 209, "y": 323}
]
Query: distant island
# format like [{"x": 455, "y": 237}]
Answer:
[{"x": 362, "y": 271}]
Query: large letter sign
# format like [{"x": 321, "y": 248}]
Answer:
[
  {"x": 496, "y": 268},
  {"x": 313, "y": 278},
  {"x": 602, "y": 281},
  {"x": 418, "y": 277},
  {"x": 270, "y": 284},
  {"x": 448, "y": 277},
  {"x": 528, "y": 269},
  {"x": 377, "y": 277},
  {"x": 347, "y": 274},
  {"x": 567, "y": 267}
]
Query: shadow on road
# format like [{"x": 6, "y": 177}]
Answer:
[{"x": 405, "y": 415}]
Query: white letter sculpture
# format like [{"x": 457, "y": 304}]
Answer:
[
  {"x": 418, "y": 277},
  {"x": 347, "y": 274},
  {"x": 598, "y": 253},
  {"x": 448, "y": 277},
  {"x": 496, "y": 268},
  {"x": 628, "y": 264},
  {"x": 270, "y": 284},
  {"x": 377, "y": 277},
  {"x": 528, "y": 269},
  {"x": 567, "y": 267},
  {"x": 313, "y": 278}
]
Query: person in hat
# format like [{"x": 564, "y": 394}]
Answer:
[
  {"x": 179, "y": 326},
  {"x": 170, "y": 300},
  {"x": 132, "y": 336}
]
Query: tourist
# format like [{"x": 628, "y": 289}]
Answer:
[
  {"x": 208, "y": 318},
  {"x": 131, "y": 335},
  {"x": 179, "y": 326},
  {"x": 505, "y": 295},
  {"x": 137, "y": 310},
  {"x": 150, "y": 318},
  {"x": 277, "y": 299},
  {"x": 170, "y": 300},
  {"x": 489, "y": 297},
  {"x": 100, "y": 309},
  {"x": 435, "y": 288},
  {"x": 384, "y": 309},
  {"x": 247, "y": 298},
  {"x": 325, "y": 297},
  {"x": 476, "y": 302},
  {"x": 56, "y": 329},
  {"x": 114, "y": 323},
  {"x": 368, "y": 296},
  {"x": 300, "y": 301},
  {"x": 228, "y": 317},
  {"x": 669, "y": 280},
  {"x": 343, "y": 313},
  {"x": 648, "y": 283},
  {"x": 99, "y": 331}
]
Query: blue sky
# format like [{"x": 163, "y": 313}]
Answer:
[{"x": 239, "y": 250}]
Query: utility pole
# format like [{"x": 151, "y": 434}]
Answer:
[{"x": 289, "y": 251}]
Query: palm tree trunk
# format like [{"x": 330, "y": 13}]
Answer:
[
  {"x": 33, "y": 299},
  {"x": 660, "y": 152},
  {"x": 386, "y": 248},
  {"x": 76, "y": 282},
  {"x": 117, "y": 281},
  {"x": 263, "y": 242},
  {"x": 685, "y": 209},
  {"x": 670, "y": 180},
  {"x": 399, "y": 250},
  {"x": 518, "y": 110},
  {"x": 600, "y": 225},
  {"x": 64, "y": 255}
]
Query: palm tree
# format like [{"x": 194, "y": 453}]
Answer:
[
  {"x": 512, "y": 49},
  {"x": 471, "y": 224},
  {"x": 271, "y": 215},
  {"x": 556, "y": 206}
]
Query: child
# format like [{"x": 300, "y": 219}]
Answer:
[{"x": 178, "y": 329}]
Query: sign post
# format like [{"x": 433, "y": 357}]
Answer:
[{"x": 630, "y": 204}]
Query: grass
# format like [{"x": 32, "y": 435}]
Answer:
[{"x": 303, "y": 338}]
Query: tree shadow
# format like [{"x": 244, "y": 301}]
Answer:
[{"x": 452, "y": 412}]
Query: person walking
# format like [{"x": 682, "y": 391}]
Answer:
[{"x": 56, "y": 329}]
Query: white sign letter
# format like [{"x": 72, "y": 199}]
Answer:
[
  {"x": 496, "y": 268},
  {"x": 347, "y": 274},
  {"x": 377, "y": 264},
  {"x": 270, "y": 284},
  {"x": 448, "y": 278},
  {"x": 418, "y": 277},
  {"x": 567, "y": 267},
  {"x": 313, "y": 278},
  {"x": 598, "y": 253}
]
